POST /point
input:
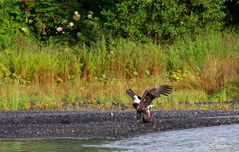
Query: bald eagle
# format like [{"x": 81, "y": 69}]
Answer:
[{"x": 143, "y": 104}]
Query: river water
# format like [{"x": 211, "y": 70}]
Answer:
[{"x": 209, "y": 139}]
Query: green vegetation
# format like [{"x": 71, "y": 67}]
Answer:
[
  {"x": 56, "y": 77},
  {"x": 79, "y": 21},
  {"x": 52, "y": 57}
]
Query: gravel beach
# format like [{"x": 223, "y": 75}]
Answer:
[{"x": 27, "y": 125}]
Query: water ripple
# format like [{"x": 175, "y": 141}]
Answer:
[{"x": 210, "y": 139}]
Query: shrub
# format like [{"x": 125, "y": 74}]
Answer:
[
  {"x": 9, "y": 26},
  {"x": 80, "y": 21},
  {"x": 163, "y": 19}
]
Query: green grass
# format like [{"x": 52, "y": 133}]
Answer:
[{"x": 203, "y": 68}]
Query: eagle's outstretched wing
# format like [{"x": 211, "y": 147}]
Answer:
[
  {"x": 131, "y": 93},
  {"x": 152, "y": 93}
]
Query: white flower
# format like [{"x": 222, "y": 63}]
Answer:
[
  {"x": 76, "y": 17},
  {"x": 79, "y": 34},
  {"x": 90, "y": 13},
  {"x": 181, "y": 22},
  {"x": 89, "y": 16},
  {"x": 59, "y": 29},
  {"x": 76, "y": 13},
  {"x": 71, "y": 24}
]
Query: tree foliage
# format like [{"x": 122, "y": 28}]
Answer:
[
  {"x": 79, "y": 21},
  {"x": 163, "y": 19}
]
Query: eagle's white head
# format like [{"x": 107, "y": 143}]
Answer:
[{"x": 136, "y": 99}]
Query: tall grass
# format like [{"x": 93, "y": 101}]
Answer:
[
  {"x": 203, "y": 68},
  {"x": 207, "y": 62},
  {"x": 125, "y": 60}
]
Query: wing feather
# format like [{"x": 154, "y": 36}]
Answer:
[{"x": 155, "y": 92}]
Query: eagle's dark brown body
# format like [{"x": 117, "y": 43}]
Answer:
[{"x": 143, "y": 104}]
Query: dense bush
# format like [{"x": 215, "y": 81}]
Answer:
[
  {"x": 163, "y": 19},
  {"x": 9, "y": 26},
  {"x": 78, "y": 21},
  {"x": 64, "y": 21}
]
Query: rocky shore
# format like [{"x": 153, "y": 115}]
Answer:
[{"x": 102, "y": 124}]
